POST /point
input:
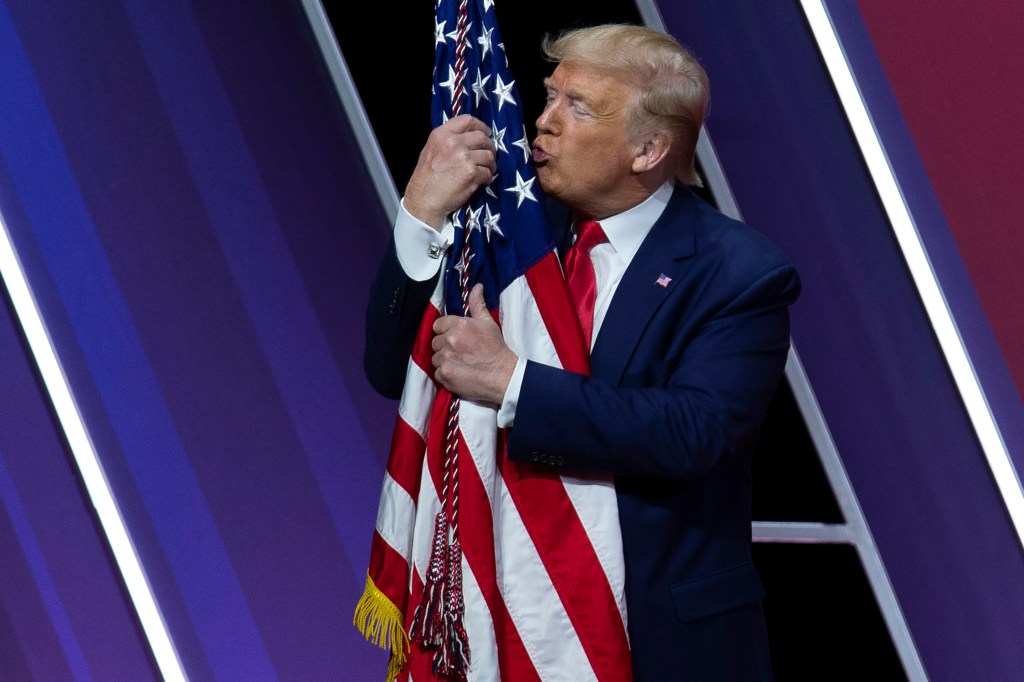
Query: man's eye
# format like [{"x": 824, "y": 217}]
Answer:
[{"x": 580, "y": 109}]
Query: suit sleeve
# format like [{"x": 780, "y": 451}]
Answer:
[
  {"x": 676, "y": 417},
  {"x": 393, "y": 316}
]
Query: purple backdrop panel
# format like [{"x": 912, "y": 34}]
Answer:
[
  {"x": 992, "y": 361},
  {"x": 64, "y": 609},
  {"x": 199, "y": 229},
  {"x": 974, "y": 161},
  {"x": 861, "y": 332}
]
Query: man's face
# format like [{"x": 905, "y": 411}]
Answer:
[{"x": 582, "y": 151}]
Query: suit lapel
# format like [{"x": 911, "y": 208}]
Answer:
[{"x": 664, "y": 251}]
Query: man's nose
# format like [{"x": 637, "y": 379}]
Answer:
[{"x": 547, "y": 122}]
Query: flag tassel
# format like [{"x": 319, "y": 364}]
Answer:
[
  {"x": 452, "y": 660},
  {"x": 427, "y": 619},
  {"x": 438, "y": 620},
  {"x": 380, "y": 621}
]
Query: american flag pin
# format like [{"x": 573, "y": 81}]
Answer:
[{"x": 663, "y": 280}]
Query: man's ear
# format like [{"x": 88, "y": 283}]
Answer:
[{"x": 652, "y": 152}]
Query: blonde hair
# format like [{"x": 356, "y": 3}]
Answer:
[{"x": 671, "y": 86}]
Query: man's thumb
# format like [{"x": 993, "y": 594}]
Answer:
[{"x": 477, "y": 305}]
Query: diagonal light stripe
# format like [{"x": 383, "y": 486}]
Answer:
[
  {"x": 353, "y": 106},
  {"x": 952, "y": 344},
  {"x": 87, "y": 460}
]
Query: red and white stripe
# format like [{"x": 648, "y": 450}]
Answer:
[{"x": 542, "y": 561}]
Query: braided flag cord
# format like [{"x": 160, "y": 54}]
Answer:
[{"x": 483, "y": 569}]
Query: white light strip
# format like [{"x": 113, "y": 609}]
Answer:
[
  {"x": 917, "y": 260},
  {"x": 795, "y": 532},
  {"x": 725, "y": 200},
  {"x": 82, "y": 449},
  {"x": 353, "y": 106}
]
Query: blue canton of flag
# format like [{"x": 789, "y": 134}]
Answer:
[{"x": 504, "y": 223}]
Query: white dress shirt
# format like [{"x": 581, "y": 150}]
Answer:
[{"x": 419, "y": 248}]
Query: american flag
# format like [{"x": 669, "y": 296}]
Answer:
[{"x": 481, "y": 568}]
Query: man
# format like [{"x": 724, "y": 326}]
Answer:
[{"x": 689, "y": 338}]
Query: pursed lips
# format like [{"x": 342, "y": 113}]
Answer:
[{"x": 539, "y": 155}]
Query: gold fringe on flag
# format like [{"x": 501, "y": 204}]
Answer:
[{"x": 380, "y": 621}]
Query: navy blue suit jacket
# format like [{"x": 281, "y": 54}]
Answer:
[{"x": 681, "y": 377}]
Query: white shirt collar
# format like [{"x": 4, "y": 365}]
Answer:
[{"x": 627, "y": 230}]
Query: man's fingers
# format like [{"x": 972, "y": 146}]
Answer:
[
  {"x": 474, "y": 176},
  {"x": 486, "y": 161},
  {"x": 464, "y": 122},
  {"x": 476, "y": 139},
  {"x": 482, "y": 157},
  {"x": 443, "y": 323}
]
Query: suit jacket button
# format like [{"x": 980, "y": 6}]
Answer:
[{"x": 393, "y": 306}]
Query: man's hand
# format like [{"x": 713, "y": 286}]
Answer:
[
  {"x": 458, "y": 157},
  {"x": 470, "y": 357}
]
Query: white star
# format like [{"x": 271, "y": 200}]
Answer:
[
  {"x": 498, "y": 136},
  {"x": 462, "y": 266},
  {"x": 491, "y": 224},
  {"x": 503, "y": 92},
  {"x": 454, "y": 37},
  {"x": 490, "y": 188},
  {"x": 485, "y": 41},
  {"x": 488, "y": 4},
  {"x": 478, "y": 87},
  {"x": 439, "y": 33},
  {"x": 450, "y": 83},
  {"x": 456, "y": 222},
  {"x": 522, "y": 190},
  {"x": 523, "y": 144},
  {"x": 473, "y": 219}
]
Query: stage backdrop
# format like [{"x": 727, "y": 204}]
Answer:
[{"x": 198, "y": 227}]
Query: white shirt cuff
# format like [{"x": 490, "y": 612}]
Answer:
[
  {"x": 507, "y": 413},
  {"x": 419, "y": 246}
]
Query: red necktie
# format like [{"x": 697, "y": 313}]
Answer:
[{"x": 579, "y": 272}]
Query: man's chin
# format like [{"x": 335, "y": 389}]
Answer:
[{"x": 544, "y": 178}]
